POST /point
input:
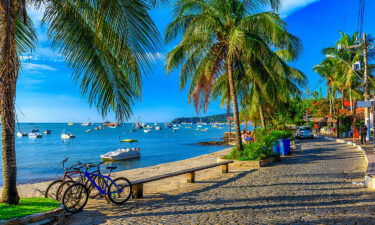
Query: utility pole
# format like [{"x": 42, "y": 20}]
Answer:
[{"x": 366, "y": 84}]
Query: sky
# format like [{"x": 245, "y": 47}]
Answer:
[{"x": 46, "y": 92}]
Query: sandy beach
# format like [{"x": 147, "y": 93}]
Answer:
[{"x": 166, "y": 185}]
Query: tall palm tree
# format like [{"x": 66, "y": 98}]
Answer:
[
  {"x": 216, "y": 36},
  {"x": 108, "y": 45}
]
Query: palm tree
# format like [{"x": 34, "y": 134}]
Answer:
[
  {"x": 108, "y": 45},
  {"x": 216, "y": 36}
]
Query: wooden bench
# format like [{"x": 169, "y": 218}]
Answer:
[{"x": 138, "y": 184}]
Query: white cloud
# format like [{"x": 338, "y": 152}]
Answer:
[
  {"x": 290, "y": 6},
  {"x": 34, "y": 66}
]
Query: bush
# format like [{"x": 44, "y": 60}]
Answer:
[{"x": 262, "y": 148}]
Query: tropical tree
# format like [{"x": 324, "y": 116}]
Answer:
[
  {"x": 108, "y": 45},
  {"x": 216, "y": 36}
]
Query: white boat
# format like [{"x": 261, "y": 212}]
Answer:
[
  {"x": 158, "y": 128},
  {"x": 35, "y": 135},
  {"x": 86, "y": 124},
  {"x": 67, "y": 135},
  {"x": 122, "y": 154},
  {"x": 147, "y": 131},
  {"x": 21, "y": 134},
  {"x": 70, "y": 123}
]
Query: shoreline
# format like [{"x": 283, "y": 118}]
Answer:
[{"x": 30, "y": 189}]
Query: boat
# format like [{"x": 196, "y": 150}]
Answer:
[
  {"x": 111, "y": 125},
  {"x": 35, "y": 135},
  {"x": 196, "y": 128},
  {"x": 70, "y": 123},
  {"x": 47, "y": 132},
  {"x": 158, "y": 128},
  {"x": 133, "y": 130},
  {"x": 35, "y": 131},
  {"x": 146, "y": 131},
  {"x": 129, "y": 140},
  {"x": 121, "y": 154},
  {"x": 88, "y": 131},
  {"x": 205, "y": 129},
  {"x": 86, "y": 124},
  {"x": 67, "y": 135},
  {"x": 21, "y": 134},
  {"x": 99, "y": 128}
]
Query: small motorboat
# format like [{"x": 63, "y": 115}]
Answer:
[
  {"x": 88, "y": 131},
  {"x": 122, "y": 154},
  {"x": 70, "y": 123},
  {"x": 35, "y": 135},
  {"x": 35, "y": 131},
  {"x": 86, "y": 124},
  {"x": 146, "y": 131},
  {"x": 158, "y": 128},
  {"x": 47, "y": 132},
  {"x": 99, "y": 128},
  {"x": 133, "y": 130},
  {"x": 129, "y": 140},
  {"x": 21, "y": 134},
  {"x": 67, "y": 135}
]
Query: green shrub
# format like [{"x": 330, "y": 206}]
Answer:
[{"x": 262, "y": 148}]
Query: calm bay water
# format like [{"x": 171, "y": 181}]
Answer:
[{"x": 40, "y": 159}]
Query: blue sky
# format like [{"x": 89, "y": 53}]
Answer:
[{"x": 45, "y": 92}]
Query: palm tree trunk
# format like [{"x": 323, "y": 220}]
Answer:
[
  {"x": 342, "y": 99},
  {"x": 261, "y": 114},
  {"x": 8, "y": 77},
  {"x": 233, "y": 95},
  {"x": 351, "y": 100},
  {"x": 228, "y": 116}
]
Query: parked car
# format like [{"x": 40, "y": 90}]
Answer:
[{"x": 304, "y": 132}]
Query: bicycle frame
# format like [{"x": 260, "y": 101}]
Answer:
[{"x": 106, "y": 179}]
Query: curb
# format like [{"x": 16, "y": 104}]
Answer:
[
  {"x": 369, "y": 181},
  {"x": 55, "y": 217}
]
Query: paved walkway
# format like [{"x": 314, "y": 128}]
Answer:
[{"x": 313, "y": 186}]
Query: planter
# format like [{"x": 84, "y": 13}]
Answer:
[
  {"x": 250, "y": 164},
  {"x": 55, "y": 216}
]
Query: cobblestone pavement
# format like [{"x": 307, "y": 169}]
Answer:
[{"x": 313, "y": 186}]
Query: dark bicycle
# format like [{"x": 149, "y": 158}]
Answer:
[
  {"x": 118, "y": 191},
  {"x": 69, "y": 174}
]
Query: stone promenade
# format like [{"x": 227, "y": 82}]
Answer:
[{"x": 313, "y": 186}]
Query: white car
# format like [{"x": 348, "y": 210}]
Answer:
[{"x": 304, "y": 132}]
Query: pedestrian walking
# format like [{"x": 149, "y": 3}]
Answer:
[{"x": 363, "y": 131}]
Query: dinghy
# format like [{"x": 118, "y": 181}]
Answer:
[
  {"x": 129, "y": 140},
  {"x": 122, "y": 154},
  {"x": 21, "y": 134},
  {"x": 35, "y": 135},
  {"x": 67, "y": 135}
]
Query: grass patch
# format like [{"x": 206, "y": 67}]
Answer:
[{"x": 26, "y": 207}]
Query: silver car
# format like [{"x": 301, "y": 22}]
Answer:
[{"x": 304, "y": 132}]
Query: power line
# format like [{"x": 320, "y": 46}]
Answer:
[{"x": 361, "y": 16}]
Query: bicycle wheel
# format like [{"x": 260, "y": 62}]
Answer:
[
  {"x": 120, "y": 190},
  {"x": 62, "y": 188},
  {"x": 75, "y": 198},
  {"x": 93, "y": 191},
  {"x": 52, "y": 188}
]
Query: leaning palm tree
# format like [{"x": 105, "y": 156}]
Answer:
[
  {"x": 108, "y": 45},
  {"x": 216, "y": 34}
]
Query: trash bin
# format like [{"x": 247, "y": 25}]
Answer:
[
  {"x": 284, "y": 146},
  {"x": 276, "y": 148}
]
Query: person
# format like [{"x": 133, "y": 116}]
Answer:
[{"x": 363, "y": 132}]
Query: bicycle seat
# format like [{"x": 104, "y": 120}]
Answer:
[{"x": 111, "y": 167}]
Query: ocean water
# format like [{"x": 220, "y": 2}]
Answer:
[{"x": 40, "y": 159}]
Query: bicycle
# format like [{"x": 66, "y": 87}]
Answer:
[
  {"x": 93, "y": 193},
  {"x": 117, "y": 191},
  {"x": 69, "y": 173}
]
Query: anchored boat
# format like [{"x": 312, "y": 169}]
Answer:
[{"x": 122, "y": 154}]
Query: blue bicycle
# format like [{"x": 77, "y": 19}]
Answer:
[{"x": 118, "y": 191}]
